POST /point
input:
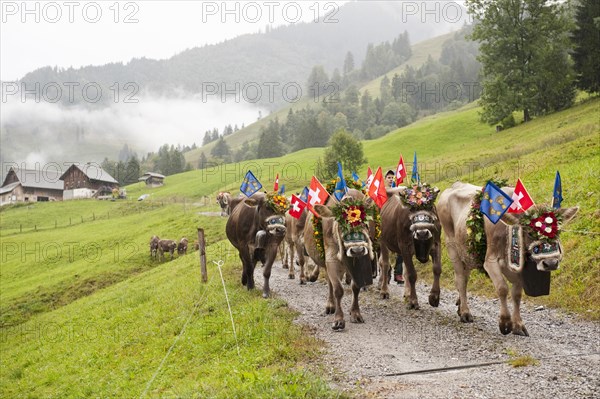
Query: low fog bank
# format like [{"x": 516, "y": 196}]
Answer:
[{"x": 42, "y": 132}]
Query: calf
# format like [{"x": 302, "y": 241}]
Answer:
[
  {"x": 294, "y": 238},
  {"x": 223, "y": 199},
  {"x": 154, "y": 246},
  {"x": 166, "y": 246},
  {"x": 182, "y": 246},
  {"x": 518, "y": 241}
]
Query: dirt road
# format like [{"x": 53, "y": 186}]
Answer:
[{"x": 396, "y": 340}]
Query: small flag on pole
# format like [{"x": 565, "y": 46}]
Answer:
[
  {"x": 304, "y": 195},
  {"x": 377, "y": 189},
  {"x": 276, "y": 185},
  {"x": 557, "y": 195},
  {"x": 415, "y": 172},
  {"x": 340, "y": 185},
  {"x": 495, "y": 202},
  {"x": 250, "y": 185},
  {"x": 400, "y": 171},
  {"x": 521, "y": 199},
  {"x": 282, "y": 190},
  {"x": 297, "y": 207}
]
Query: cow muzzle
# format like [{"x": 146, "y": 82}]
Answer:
[
  {"x": 422, "y": 225},
  {"x": 355, "y": 245},
  {"x": 547, "y": 255},
  {"x": 276, "y": 226}
]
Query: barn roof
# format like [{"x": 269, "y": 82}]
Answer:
[
  {"x": 147, "y": 175},
  {"x": 93, "y": 172},
  {"x": 36, "y": 178},
  {"x": 8, "y": 188}
]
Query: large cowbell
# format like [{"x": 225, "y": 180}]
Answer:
[
  {"x": 359, "y": 267},
  {"x": 535, "y": 282}
]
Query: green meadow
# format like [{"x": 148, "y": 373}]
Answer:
[{"x": 86, "y": 312}]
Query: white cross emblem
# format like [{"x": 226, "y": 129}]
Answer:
[
  {"x": 314, "y": 196},
  {"x": 517, "y": 201},
  {"x": 296, "y": 206}
]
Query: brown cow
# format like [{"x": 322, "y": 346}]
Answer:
[
  {"x": 410, "y": 232},
  {"x": 166, "y": 246},
  {"x": 341, "y": 255},
  {"x": 509, "y": 250},
  {"x": 256, "y": 231},
  {"x": 223, "y": 199},
  {"x": 182, "y": 246},
  {"x": 154, "y": 246},
  {"x": 294, "y": 238}
]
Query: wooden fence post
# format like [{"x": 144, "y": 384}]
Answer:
[{"x": 202, "y": 252}]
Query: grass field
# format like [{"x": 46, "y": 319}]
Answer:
[{"x": 85, "y": 311}]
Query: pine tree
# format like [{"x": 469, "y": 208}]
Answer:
[{"x": 586, "y": 41}]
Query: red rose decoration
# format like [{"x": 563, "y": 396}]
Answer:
[{"x": 546, "y": 225}]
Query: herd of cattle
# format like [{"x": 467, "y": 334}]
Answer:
[
  {"x": 256, "y": 230},
  {"x": 158, "y": 247}
]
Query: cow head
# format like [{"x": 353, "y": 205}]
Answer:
[
  {"x": 535, "y": 234},
  {"x": 270, "y": 213},
  {"x": 424, "y": 223},
  {"x": 349, "y": 228}
]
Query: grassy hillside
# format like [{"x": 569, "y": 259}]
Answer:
[
  {"x": 85, "y": 311},
  {"x": 422, "y": 50}
]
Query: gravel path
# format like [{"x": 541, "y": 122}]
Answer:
[{"x": 396, "y": 340}]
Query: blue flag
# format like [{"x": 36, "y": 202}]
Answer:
[
  {"x": 340, "y": 184},
  {"x": 250, "y": 185},
  {"x": 355, "y": 177},
  {"x": 304, "y": 195},
  {"x": 282, "y": 190},
  {"x": 415, "y": 172},
  {"x": 495, "y": 202},
  {"x": 557, "y": 196}
]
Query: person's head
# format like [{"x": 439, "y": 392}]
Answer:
[{"x": 389, "y": 178}]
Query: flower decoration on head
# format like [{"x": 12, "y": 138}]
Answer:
[
  {"x": 352, "y": 214},
  {"x": 419, "y": 196},
  {"x": 278, "y": 203},
  {"x": 543, "y": 222}
]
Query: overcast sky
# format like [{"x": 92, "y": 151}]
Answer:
[{"x": 68, "y": 33}]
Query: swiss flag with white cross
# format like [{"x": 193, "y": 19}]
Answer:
[
  {"x": 522, "y": 199},
  {"x": 297, "y": 207}
]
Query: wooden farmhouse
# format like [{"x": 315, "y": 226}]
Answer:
[
  {"x": 152, "y": 179},
  {"x": 87, "y": 181},
  {"x": 28, "y": 185}
]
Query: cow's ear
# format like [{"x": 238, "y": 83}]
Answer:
[
  {"x": 510, "y": 218},
  {"x": 568, "y": 213},
  {"x": 251, "y": 202},
  {"x": 323, "y": 211}
]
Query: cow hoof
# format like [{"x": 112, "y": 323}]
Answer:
[
  {"x": 505, "y": 328},
  {"x": 302, "y": 281},
  {"x": 385, "y": 295},
  {"x": 266, "y": 294},
  {"x": 285, "y": 266},
  {"x": 338, "y": 325},
  {"x": 291, "y": 276},
  {"x": 244, "y": 279},
  {"x": 356, "y": 318},
  {"x": 520, "y": 331},
  {"x": 329, "y": 310},
  {"x": 434, "y": 300},
  {"x": 412, "y": 305},
  {"x": 466, "y": 317}
]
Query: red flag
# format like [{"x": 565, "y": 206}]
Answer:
[
  {"x": 377, "y": 189},
  {"x": 369, "y": 177},
  {"x": 400, "y": 171},
  {"x": 522, "y": 199},
  {"x": 317, "y": 194},
  {"x": 297, "y": 207},
  {"x": 276, "y": 185}
]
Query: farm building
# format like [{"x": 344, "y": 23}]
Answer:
[
  {"x": 152, "y": 179},
  {"x": 29, "y": 185},
  {"x": 87, "y": 181}
]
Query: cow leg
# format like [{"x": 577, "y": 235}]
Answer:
[
  {"x": 385, "y": 270},
  {"x": 515, "y": 293},
  {"x": 461, "y": 278},
  {"x": 271, "y": 255},
  {"x": 493, "y": 269},
  {"x": 286, "y": 256},
  {"x": 330, "y": 306},
  {"x": 410, "y": 290},
  {"x": 247, "y": 268},
  {"x": 355, "y": 316},
  {"x": 298, "y": 248},
  {"x": 334, "y": 271},
  {"x": 436, "y": 259},
  {"x": 291, "y": 248}
]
